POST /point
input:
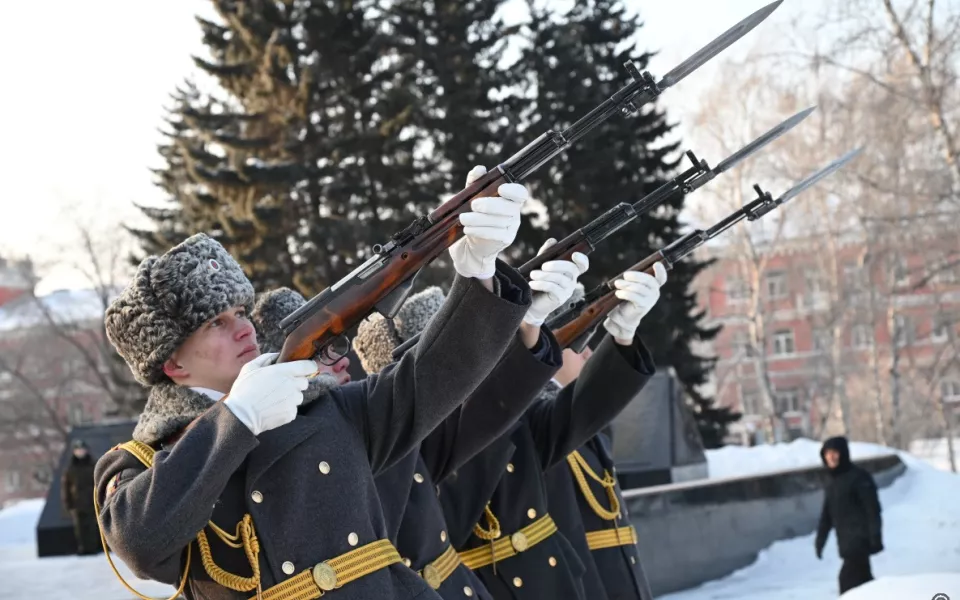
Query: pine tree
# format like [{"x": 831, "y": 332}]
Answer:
[
  {"x": 307, "y": 154},
  {"x": 574, "y": 62}
]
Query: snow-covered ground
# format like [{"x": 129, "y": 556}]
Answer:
[
  {"x": 921, "y": 531},
  {"x": 921, "y": 535}
]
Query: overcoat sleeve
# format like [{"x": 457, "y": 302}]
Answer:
[
  {"x": 494, "y": 407},
  {"x": 460, "y": 346},
  {"x": 612, "y": 377},
  {"x": 149, "y": 516}
]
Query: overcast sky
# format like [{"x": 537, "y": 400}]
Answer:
[{"x": 85, "y": 84}]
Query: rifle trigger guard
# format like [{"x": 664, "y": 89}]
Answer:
[{"x": 332, "y": 352}]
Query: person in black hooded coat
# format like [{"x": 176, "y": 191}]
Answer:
[{"x": 852, "y": 508}]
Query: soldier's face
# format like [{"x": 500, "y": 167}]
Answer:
[
  {"x": 832, "y": 458},
  {"x": 213, "y": 356}
]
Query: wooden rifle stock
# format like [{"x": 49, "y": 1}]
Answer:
[
  {"x": 597, "y": 310},
  {"x": 350, "y": 304}
]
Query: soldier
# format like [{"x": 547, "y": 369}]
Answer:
[
  {"x": 514, "y": 546},
  {"x": 231, "y": 488},
  {"x": 408, "y": 491},
  {"x": 590, "y": 511},
  {"x": 76, "y": 492}
]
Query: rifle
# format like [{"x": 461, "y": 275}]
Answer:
[
  {"x": 384, "y": 281},
  {"x": 572, "y": 327},
  {"x": 586, "y": 238}
]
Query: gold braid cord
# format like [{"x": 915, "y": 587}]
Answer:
[
  {"x": 493, "y": 526},
  {"x": 579, "y": 466},
  {"x": 245, "y": 537}
]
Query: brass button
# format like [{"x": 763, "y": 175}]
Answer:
[
  {"x": 532, "y": 513},
  {"x": 352, "y": 539},
  {"x": 519, "y": 541},
  {"x": 509, "y": 467},
  {"x": 257, "y": 497},
  {"x": 552, "y": 561},
  {"x": 432, "y": 576},
  {"x": 633, "y": 561},
  {"x": 325, "y": 577},
  {"x": 407, "y": 562},
  {"x": 287, "y": 567},
  {"x": 418, "y": 477},
  {"x": 324, "y": 467},
  {"x": 467, "y": 591},
  {"x": 517, "y": 582},
  {"x": 443, "y": 536}
]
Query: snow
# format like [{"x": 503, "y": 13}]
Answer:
[
  {"x": 936, "y": 452},
  {"x": 740, "y": 461},
  {"x": 921, "y": 535},
  {"x": 912, "y": 586},
  {"x": 75, "y": 577}
]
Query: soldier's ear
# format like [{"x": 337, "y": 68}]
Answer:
[{"x": 173, "y": 369}]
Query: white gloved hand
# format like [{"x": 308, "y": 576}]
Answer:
[
  {"x": 489, "y": 227},
  {"x": 554, "y": 281},
  {"x": 639, "y": 293},
  {"x": 266, "y": 396}
]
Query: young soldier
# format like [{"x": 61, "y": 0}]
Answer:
[
  {"x": 231, "y": 488},
  {"x": 588, "y": 507},
  {"x": 497, "y": 503},
  {"x": 408, "y": 492}
]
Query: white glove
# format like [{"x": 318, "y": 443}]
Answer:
[
  {"x": 490, "y": 227},
  {"x": 555, "y": 281},
  {"x": 266, "y": 396},
  {"x": 639, "y": 293}
]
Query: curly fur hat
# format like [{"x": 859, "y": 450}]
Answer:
[
  {"x": 170, "y": 297},
  {"x": 271, "y": 308},
  {"x": 378, "y": 336}
]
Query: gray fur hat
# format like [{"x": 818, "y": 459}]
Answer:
[
  {"x": 378, "y": 336},
  {"x": 271, "y": 308},
  {"x": 170, "y": 297}
]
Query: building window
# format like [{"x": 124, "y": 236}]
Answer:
[
  {"x": 783, "y": 343},
  {"x": 11, "y": 481},
  {"x": 750, "y": 402},
  {"x": 947, "y": 273},
  {"x": 861, "y": 336},
  {"x": 737, "y": 291},
  {"x": 899, "y": 271},
  {"x": 740, "y": 342},
  {"x": 822, "y": 340},
  {"x": 903, "y": 332},
  {"x": 75, "y": 414},
  {"x": 950, "y": 390},
  {"x": 776, "y": 283},
  {"x": 788, "y": 401},
  {"x": 941, "y": 330},
  {"x": 854, "y": 276},
  {"x": 816, "y": 283}
]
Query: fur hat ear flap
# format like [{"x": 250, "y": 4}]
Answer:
[{"x": 374, "y": 343}]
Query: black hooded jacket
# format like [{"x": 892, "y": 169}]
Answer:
[{"x": 850, "y": 506}]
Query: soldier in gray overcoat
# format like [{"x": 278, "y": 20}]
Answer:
[
  {"x": 497, "y": 504},
  {"x": 408, "y": 489},
  {"x": 232, "y": 486}
]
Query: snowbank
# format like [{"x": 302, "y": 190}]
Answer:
[
  {"x": 741, "y": 461},
  {"x": 913, "y": 586},
  {"x": 936, "y": 452},
  {"x": 921, "y": 535},
  {"x": 18, "y": 523}
]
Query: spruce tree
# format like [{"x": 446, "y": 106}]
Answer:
[{"x": 573, "y": 62}]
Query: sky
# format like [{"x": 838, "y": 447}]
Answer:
[{"x": 86, "y": 84}]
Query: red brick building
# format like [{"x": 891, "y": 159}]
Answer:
[
  {"x": 818, "y": 324},
  {"x": 49, "y": 378}
]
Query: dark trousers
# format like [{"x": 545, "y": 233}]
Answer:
[
  {"x": 855, "y": 572},
  {"x": 86, "y": 533}
]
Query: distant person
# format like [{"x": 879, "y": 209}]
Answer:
[
  {"x": 852, "y": 508},
  {"x": 76, "y": 492}
]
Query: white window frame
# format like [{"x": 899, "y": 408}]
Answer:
[
  {"x": 11, "y": 480},
  {"x": 950, "y": 390},
  {"x": 737, "y": 291},
  {"x": 792, "y": 398},
  {"x": 780, "y": 343},
  {"x": 861, "y": 336},
  {"x": 778, "y": 280}
]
